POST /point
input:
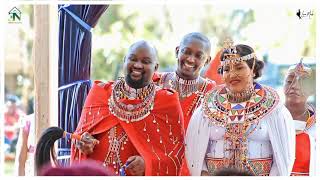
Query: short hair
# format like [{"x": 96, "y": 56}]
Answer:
[{"x": 199, "y": 36}]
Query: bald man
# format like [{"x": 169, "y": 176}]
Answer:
[{"x": 138, "y": 131}]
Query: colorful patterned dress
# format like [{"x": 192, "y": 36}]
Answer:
[{"x": 256, "y": 135}]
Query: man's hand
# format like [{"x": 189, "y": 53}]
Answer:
[
  {"x": 87, "y": 143},
  {"x": 136, "y": 166}
]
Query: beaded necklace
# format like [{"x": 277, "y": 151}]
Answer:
[
  {"x": 239, "y": 119},
  {"x": 240, "y": 97},
  {"x": 131, "y": 112},
  {"x": 185, "y": 88}
]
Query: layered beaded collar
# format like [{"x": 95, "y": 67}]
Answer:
[
  {"x": 240, "y": 97},
  {"x": 142, "y": 101},
  {"x": 221, "y": 112},
  {"x": 124, "y": 91},
  {"x": 184, "y": 87}
]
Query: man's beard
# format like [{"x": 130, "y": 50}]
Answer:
[{"x": 137, "y": 84}]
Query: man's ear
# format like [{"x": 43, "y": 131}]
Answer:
[{"x": 177, "y": 51}]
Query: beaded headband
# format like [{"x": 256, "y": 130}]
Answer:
[{"x": 231, "y": 56}]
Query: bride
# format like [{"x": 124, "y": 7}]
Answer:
[{"x": 241, "y": 124}]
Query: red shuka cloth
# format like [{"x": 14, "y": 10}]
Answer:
[
  {"x": 188, "y": 106},
  {"x": 212, "y": 71},
  {"x": 97, "y": 120},
  {"x": 302, "y": 161}
]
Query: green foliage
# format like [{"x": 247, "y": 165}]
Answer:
[
  {"x": 163, "y": 25},
  {"x": 310, "y": 43}
]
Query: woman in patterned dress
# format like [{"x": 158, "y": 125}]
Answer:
[{"x": 241, "y": 124}]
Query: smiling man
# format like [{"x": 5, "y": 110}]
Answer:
[
  {"x": 138, "y": 132},
  {"x": 192, "y": 55}
]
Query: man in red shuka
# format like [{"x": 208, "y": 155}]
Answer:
[{"x": 138, "y": 125}]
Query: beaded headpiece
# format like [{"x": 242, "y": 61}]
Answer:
[
  {"x": 231, "y": 56},
  {"x": 302, "y": 75},
  {"x": 300, "y": 69}
]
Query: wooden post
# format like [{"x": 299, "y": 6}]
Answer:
[
  {"x": 53, "y": 79},
  {"x": 44, "y": 58},
  {"x": 41, "y": 67}
]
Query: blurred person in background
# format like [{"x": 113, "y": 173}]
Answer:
[
  {"x": 12, "y": 115},
  {"x": 24, "y": 160}
]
